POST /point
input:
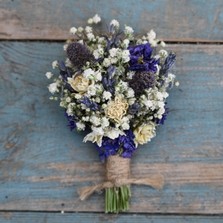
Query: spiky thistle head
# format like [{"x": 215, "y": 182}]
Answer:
[
  {"x": 142, "y": 81},
  {"x": 78, "y": 54}
]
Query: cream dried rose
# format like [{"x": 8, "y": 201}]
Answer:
[
  {"x": 144, "y": 133},
  {"x": 116, "y": 109},
  {"x": 79, "y": 83}
]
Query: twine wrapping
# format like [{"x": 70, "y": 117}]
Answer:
[{"x": 118, "y": 174}]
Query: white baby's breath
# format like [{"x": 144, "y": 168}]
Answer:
[
  {"x": 73, "y": 30},
  {"x": 49, "y": 75}
]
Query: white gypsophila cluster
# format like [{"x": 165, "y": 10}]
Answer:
[{"x": 102, "y": 96}]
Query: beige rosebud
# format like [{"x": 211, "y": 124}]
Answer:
[
  {"x": 116, "y": 109},
  {"x": 144, "y": 133},
  {"x": 79, "y": 83}
]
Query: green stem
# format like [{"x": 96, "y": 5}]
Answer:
[{"x": 117, "y": 199}]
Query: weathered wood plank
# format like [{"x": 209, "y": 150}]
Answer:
[
  {"x": 42, "y": 163},
  {"x": 10, "y": 217},
  {"x": 184, "y": 20}
]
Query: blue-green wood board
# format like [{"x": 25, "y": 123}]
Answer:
[{"x": 43, "y": 163}]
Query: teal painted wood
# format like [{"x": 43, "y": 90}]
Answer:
[
  {"x": 9, "y": 217},
  {"x": 42, "y": 163},
  {"x": 185, "y": 20}
]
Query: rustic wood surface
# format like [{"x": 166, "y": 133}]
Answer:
[
  {"x": 11, "y": 217},
  {"x": 183, "y": 20},
  {"x": 43, "y": 164}
]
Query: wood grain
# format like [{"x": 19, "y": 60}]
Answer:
[
  {"x": 10, "y": 217},
  {"x": 43, "y": 164},
  {"x": 184, "y": 20}
]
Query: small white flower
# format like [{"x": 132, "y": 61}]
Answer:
[
  {"x": 130, "y": 93},
  {"x": 159, "y": 96},
  {"x": 49, "y": 75},
  {"x": 125, "y": 56},
  {"x": 114, "y": 23},
  {"x": 96, "y": 19},
  {"x": 101, "y": 39},
  {"x": 95, "y": 120},
  {"x": 104, "y": 122},
  {"x": 88, "y": 29},
  {"x": 177, "y": 83},
  {"x": 73, "y": 30},
  {"x": 91, "y": 36},
  {"x": 88, "y": 73},
  {"x": 54, "y": 64},
  {"x": 68, "y": 99},
  {"x": 106, "y": 62},
  {"x": 53, "y": 88},
  {"x": 85, "y": 118},
  {"x": 80, "y": 29},
  {"x": 78, "y": 96},
  {"x": 163, "y": 53},
  {"x": 80, "y": 41},
  {"x": 162, "y": 43},
  {"x": 128, "y": 30},
  {"x": 113, "y": 52},
  {"x": 114, "y": 60},
  {"x": 98, "y": 76},
  {"x": 126, "y": 42},
  {"x": 107, "y": 95},
  {"x": 80, "y": 126},
  {"x": 96, "y": 54},
  {"x": 131, "y": 101},
  {"x": 90, "y": 21},
  {"x": 91, "y": 90},
  {"x": 151, "y": 35},
  {"x": 125, "y": 126},
  {"x": 69, "y": 110}
]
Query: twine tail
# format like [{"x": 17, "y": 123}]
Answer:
[
  {"x": 85, "y": 192},
  {"x": 155, "y": 181}
]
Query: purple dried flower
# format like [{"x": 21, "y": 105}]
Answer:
[
  {"x": 141, "y": 58},
  {"x": 78, "y": 54},
  {"x": 142, "y": 81}
]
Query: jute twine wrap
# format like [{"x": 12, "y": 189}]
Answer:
[{"x": 118, "y": 174}]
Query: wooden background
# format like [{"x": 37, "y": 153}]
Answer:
[{"x": 42, "y": 163}]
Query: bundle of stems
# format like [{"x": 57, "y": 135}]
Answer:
[{"x": 117, "y": 199}]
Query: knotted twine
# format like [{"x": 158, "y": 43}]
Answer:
[{"x": 118, "y": 174}]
